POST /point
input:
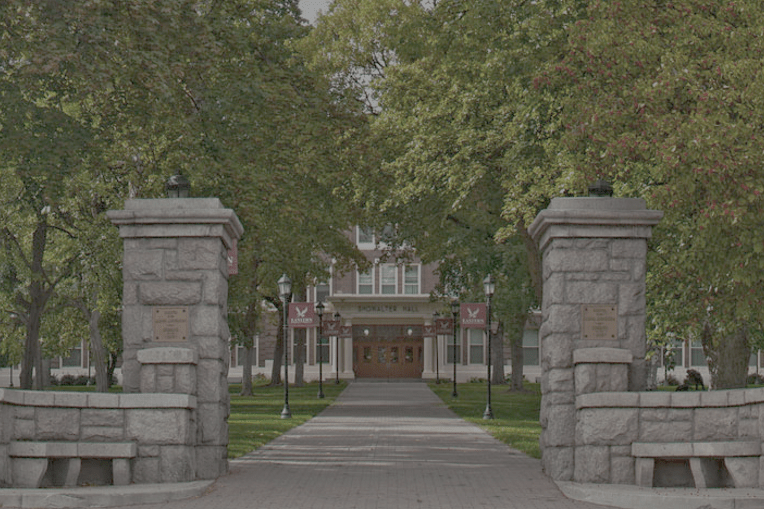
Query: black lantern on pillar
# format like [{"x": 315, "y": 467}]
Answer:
[
  {"x": 489, "y": 287},
  {"x": 455, "y": 313},
  {"x": 177, "y": 186},
  {"x": 285, "y": 293},
  {"x": 320, "y": 313}
]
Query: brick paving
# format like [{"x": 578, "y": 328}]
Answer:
[{"x": 384, "y": 446}]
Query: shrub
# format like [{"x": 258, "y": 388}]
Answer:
[
  {"x": 755, "y": 379},
  {"x": 671, "y": 380},
  {"x": 694, "y": 378}
]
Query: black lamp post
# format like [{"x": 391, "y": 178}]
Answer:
[
  {"x": 177, "y": 186},
  {"x": 455, "y": 313},
  {"x": 337, "y": 351},
  {"x": 285, "y": 292},
  {"x": 320, "y": 313},
  {"x": 488, "y": 286},
  {"x": 435, "y": 317}
]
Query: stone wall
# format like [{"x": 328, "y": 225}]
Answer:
[
  {"x": 593, "y": 258},
  {"x": 162, "y": 426},
  {"x": 607, "y": 424}
]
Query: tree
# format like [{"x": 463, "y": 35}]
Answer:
[
  {"x": 664, "y": 99},
  {"x": 458, "y": 138}
]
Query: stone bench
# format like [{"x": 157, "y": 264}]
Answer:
[
  {"x": 711, "y": 464},
  {"x": 44, "y": 464}
]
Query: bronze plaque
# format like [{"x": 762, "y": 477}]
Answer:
[
  {"x": 599, "y": 321},
  {"x": 170, "y": 324}
]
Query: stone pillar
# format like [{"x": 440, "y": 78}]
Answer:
[
  {"x": 174, "y": 321},
  {"x": 593, "y": 263}
]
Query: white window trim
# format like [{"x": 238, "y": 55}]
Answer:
[
  {"x": 358, "y": 274},
  {"x": 418, "y": 277},
  {"x": 395, "y": 277}
]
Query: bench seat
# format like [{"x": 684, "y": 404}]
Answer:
[
  {"x": 36, "y": 464},
  {"x": 712, "y": 464}
]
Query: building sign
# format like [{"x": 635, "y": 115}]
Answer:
[
  {"x": 599, "y": 321},
  {"x": 473, "y": 316},
  {"x": 302, "y": 315},
  {"x": 170, "y": 324},
  {"x": 428, "y": 331},
  {"x": 233, "y": 259},
  {"x": 444, "y": 326},
  {"x": 331, "y": 327},
  {"x": 346, "y": 332},
  {"x": 388, "y": 308}
]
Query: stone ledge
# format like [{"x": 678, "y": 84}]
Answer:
[
  {"x": 602, "y": 355},
  {"x": 608, "y": 400},
  {"x": 72, "y": 449},
  {"x": 695, "y": 449},
  {"x": 168, "y": 355},
  {"x": 158, "y": 401}
]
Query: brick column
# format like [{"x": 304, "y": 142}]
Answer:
[
  {"x": 594, "y": 252},
  {"x": 174, "y": 319}
]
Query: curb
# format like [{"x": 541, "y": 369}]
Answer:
[
  {"x": 636, "y": 497},
  {"x": 101, "y": 496}
]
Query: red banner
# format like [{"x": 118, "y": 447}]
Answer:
[
  {"x": 444, "y": 326},
  {"x": 302, "y": 315},
  {"x": 428, "y": 331},
  {"x": 346, "y": 332},
  {"x": 331, "y": 327},
  {"x": 473, "y": 316}
]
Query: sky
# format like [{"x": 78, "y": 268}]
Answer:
[{"x": 310, "y": 8}]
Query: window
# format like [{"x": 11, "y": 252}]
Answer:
[
  {"x": 476, "y": 346},
  {"x": 322, "y": 292},
  {"x": 240, "y": 353},
  {"x": 365, "y": 239},
  {"x": 74, "y": 360},
  {"x": 530, "y": 347},
  {"x": 388, "y": 279},
  {"x": 674, "y": 351},
  {"x": 411, "y": 280},
  {"x": 453, "y": 351},
  {"x": 366, "y": 282},
  {"x": 697, "y": 357}
]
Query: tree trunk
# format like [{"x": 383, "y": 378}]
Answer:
[
  {"x": 516, "y": 327},
  {"x": 246, "y": 374},
  {"x": 727, "y": 357},
  {"x": 498, "y": 376},
  {"x": 98, "y": 352},
  {"x": 38, "y": 298}
]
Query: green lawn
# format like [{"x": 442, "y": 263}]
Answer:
[
  {"x": 516, "y": 415},
  {"x": 256, "y": 420}
]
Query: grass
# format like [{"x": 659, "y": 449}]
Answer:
[
  {"x": 256, "y": 420},
  {"x": 516, "y": 414}
]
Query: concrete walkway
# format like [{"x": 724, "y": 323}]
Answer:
[{"x": 384, "y": 446}]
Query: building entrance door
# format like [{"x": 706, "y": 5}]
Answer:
[{"x": 394, "y": 356}]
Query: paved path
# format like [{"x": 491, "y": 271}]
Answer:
[{"x": 384, "y": 446}]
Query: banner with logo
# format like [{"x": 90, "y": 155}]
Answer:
[
  {"x": 302, "y": 315},
  {"x": 428, "y": 331},
  {"x": 331, "y": 327},
  {"x": 444, "y": 326},
  {"x": 473, "y": 316},
  {"x": 346, "y": 332}
]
